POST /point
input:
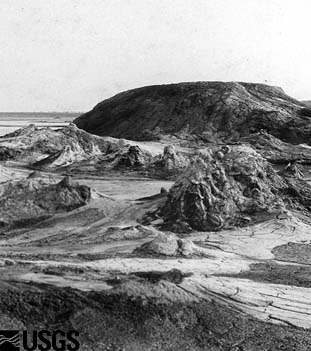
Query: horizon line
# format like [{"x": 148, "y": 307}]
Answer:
[{"x": 42, "y": 111}]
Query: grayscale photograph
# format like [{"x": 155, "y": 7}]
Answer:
[{"x": 155, "y": 175}]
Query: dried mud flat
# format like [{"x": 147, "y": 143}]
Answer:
[
  {"x": 81, "y": 270},
  {"x": 150, "y": 246}
]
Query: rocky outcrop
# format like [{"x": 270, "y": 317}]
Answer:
[
  {"x": 229, "y": 187},
  {"x": 168, "y": 244},
  {"x": 293, "y": 170},
  {"x": 118, "y": 156},
  {"x": 234, "y": 186},
  {"x": 25, "y": 131},
  {"x": 75, "y": 150},
  {"x": 134, "y": 158},
  {"x": 30, "y": 200},
  {"x": 170, "y": 163},
  {"x": 277, "y": 151},
  {"x": 206, "y": 111},
  {"x": 71, "y": 154},
  {"x": 52, "y": 147}
]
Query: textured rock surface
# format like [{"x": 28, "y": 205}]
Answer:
[
  {"x": 170, "y": 163},
  {"x": 209, "y": 111},
  {"x": 53, "y": 148},
  {"x": 6, "y": 174},
  {"x": 8, "y": 154},
  {"x": 74, "y": 150},
  {"x": 164, "y": 244},
  {"x": 133, "y": 157},
  {"x": 26, "y": 201},
  {"x": 232, "y": 187},
  {"x": 168, "y": 244},
  {"x": 277, "y": 151}
]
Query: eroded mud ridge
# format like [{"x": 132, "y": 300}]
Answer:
[{"x": 183, "y": 225}]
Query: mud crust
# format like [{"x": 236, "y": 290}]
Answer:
[{"x": 117, "y": 322}]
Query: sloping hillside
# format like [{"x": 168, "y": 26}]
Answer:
[{"x": 209, "y": 111}]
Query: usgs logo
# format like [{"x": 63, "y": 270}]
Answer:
[{"x": 43, "y": 340}]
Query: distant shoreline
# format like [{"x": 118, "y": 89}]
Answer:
[
  {"x": 11, "y": 121},
  {"x": 43, "y": 124},
  {"x": 41, "y": 113}
]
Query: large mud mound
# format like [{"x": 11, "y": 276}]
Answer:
[
  {"x": 27, "y": 201},
  {"x": 230, "y": 188},
  {"x": 65, "y": 144},
  {"x": 225, "y": 189},
  {"x": 210, "y": 111}
]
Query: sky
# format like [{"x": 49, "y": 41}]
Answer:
[{"x": 67, "y": 55}]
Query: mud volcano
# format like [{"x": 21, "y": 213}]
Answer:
[
  {"x": 208, "y": 111},
  {"x": 191, "y": 232}
]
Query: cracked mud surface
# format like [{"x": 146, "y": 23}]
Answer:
[{"x": 239, "y": 296}]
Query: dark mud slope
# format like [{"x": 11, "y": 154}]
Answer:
[
  {"x": 116, "y": 322},
  {"x": 27, "y": 201},
  {"x": 211, "y": 111},
  {"x": 271, "y": 272}
]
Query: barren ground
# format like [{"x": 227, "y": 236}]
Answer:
[{"x": 249, "y": 289}]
